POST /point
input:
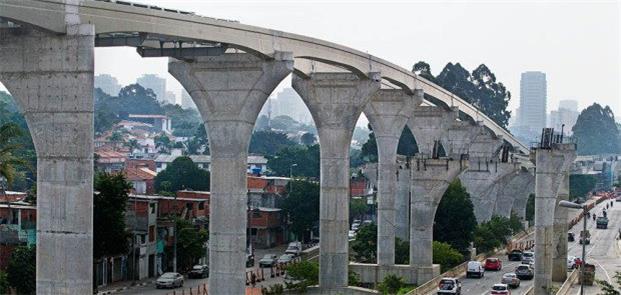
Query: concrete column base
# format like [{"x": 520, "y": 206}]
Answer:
[
  {"x": 427, "y": 273},
  {"x": 372, "y": 273}
]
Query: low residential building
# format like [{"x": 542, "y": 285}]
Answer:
[
  {"x": 159, "y": 122},
  {"x": 110, "y": 161},
  {"x": 141, "y": 221},
  {"x": 18, "y": 221},
  {"x": 265, "y": 191},
  {"x": 256, "y": 164},
  {"x": 142, "y": 180},
  {"x": 266, "y": 227}
]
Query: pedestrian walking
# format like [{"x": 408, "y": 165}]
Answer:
[{"x": 253, "y": 279}]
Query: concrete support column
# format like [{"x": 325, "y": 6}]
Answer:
[
  {"x": 402, "y": 203},
  {"x": 51, "y": 78},
  {"x": 335, "y": 101},
  {"x": 430, "y": 179},
  {"x": 559, "y": 253},
  {"x": 552, "y": 165},
  {"x": 459, "y": 137},
  {"x": 388, "y": 112},
  {"x": 229, "y": 91}
]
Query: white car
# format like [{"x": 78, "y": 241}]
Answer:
[
  {"x": 571, "y": 262},
  {"x": 500, "y": 289},
  {"x": 351, "y": 234},
  {"x": 475, "y": 268}
]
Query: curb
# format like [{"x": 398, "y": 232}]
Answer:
[{"x": 123, "y": 288}]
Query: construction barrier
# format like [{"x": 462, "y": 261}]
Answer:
[{"x": 199, "y": 290}]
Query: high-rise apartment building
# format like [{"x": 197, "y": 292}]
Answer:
[
  {"x": 567, "y": 114},
  {"x": 155, "y": 83},
  {"x": 108, "y": 84},
  {"x": 533, "y": 99}
]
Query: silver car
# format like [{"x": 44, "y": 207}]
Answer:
[
  {"x": 511, "y": 280},
  {"x": 169, "y": 280}
]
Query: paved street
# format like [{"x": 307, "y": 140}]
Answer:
[
  {"x": 195, "y": 283},
  {"x": 602, "y": 252}
]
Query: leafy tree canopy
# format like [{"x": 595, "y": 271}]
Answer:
[
  {"x": 479, "y": 88},
  {"x": 581, "y": 184},
  {"x": 596, "y": 132},
  {"x": 302, "y": 205},
  {"x": 109, "y": 206},
  {"x": 21, "y": 270},
  {"x": 455, "y": 221},
  {"x": 269, "y": 142},
  {"x": 306, "y": 159},
  {"x": 445, "y": 255},
  {"x": 181, "y": 174},
  {"x": 190, "y": 243}
]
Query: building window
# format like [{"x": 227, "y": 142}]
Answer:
[
  {"x": 188, "y": 205},
  {"x": 256, "y": 214},
  {"x": 201, "y": 206},
  {"x": 152, "y": 207}
]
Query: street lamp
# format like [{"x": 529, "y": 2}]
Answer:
[{"x": 572, "y": 205}]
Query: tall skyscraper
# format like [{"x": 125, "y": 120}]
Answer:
[
  {"x": 108, "y": 84},
  {"x": 155, "y": 83},
  {"x": 533, "y": 99}
]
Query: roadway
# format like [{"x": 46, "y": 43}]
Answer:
[
  {"x": 601, "y": 249},
  {"x": 604, "y": 251}
]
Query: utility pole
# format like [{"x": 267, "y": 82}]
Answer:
[{"x": 175, "y": 237}]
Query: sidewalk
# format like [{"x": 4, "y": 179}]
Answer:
[{"x": 122, "y": 286}]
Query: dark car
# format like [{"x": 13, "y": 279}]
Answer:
[
  {"x": 199, "y": 272},
  {"x": 515, "y": 255},
  {"x": 602, "y": 222},
  {"x": 524, "y": 272},
  {"x": 571, "y": 237}
]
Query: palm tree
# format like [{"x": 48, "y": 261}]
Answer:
[{"x": 8, "y": 161}]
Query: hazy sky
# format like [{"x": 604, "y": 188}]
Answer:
[{"x": 576, "y": 43}]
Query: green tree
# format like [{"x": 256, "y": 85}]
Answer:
[
  {"x": 402, "y": 251},
  {"x": 184, "y": 121},
  {"x": 181, "y": 174},
  {"x": 391, "y": 284},
  {"x": 445, "y": 255},
  {"x": 302, "y": 205},
  {"x": 595, "y": 131},
  {"x": 365, "y": 245},
  {"x": 163, "y": 143},
  {"x": 190, "y": 243},
  {"x": 306, "y": 158},
  {"x": 21, "y": 269},
  {"x": 306, "y": 272},
  {"x": 269, "y": 142},
  {"x": 455, "y": 221},
  {"x": 357, "y": 208},
  {"x": 8, "y": 160},
  {"x": 479, "y": 88},
  {"x": 493, "y": 233},
  {"x": 4, "y": 283},
  {"x": 581, "y": 184},
  {"x": 530, "y": 208},
  {"x": 109, "y": 205}
]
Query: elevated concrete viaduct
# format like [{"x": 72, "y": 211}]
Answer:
[{"x": 46, "y": 62}]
